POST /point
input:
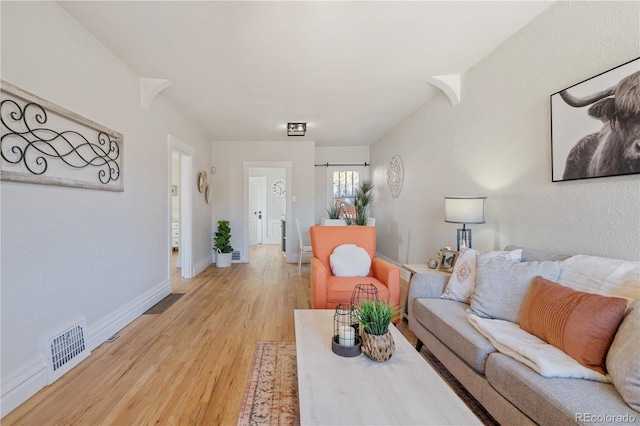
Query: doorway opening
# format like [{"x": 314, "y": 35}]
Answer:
[
  {"x": 175, "y": 212},
  {"x": 180, "y": 215},
  {"x": 267, "y": 204}
]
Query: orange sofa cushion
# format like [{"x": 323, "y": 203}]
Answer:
[{"x": 582, "y": 325}]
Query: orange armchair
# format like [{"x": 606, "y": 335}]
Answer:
[{"x": 327, "y": 290}]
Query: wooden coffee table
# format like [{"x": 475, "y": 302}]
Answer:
[{"x": 334, "y": 390}]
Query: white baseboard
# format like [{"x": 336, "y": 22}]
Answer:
[
  {"x": 103, "y": 329},
  {"x": 202, "y": 264},
  {"x": 32, "y": 377},
  {"x": 22, "y": 385},
  {"x": 306, "y": 258},
  {"x": 386, "y": 259}
]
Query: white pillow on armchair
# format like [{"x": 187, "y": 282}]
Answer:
[{"x": 349, "y": 260}]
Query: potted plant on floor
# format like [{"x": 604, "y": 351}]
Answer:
[
  {"x": 374, "y": 317},
  {"x": 222, "y": 244}
]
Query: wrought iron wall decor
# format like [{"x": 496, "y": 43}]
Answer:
[{"x": 46, "y": 144}]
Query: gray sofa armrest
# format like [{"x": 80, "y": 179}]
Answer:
[{"x": 429, "y": 285}]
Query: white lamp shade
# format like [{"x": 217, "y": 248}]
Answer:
[{"x": 464, "y": 209}]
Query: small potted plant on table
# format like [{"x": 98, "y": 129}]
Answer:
[
  {"x": 374, "y": 317},
  {"x": 222, "y": 244}
]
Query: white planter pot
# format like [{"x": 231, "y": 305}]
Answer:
[
  {"x": 223, "y": 260},
  {"x": 333, "y": 222}
]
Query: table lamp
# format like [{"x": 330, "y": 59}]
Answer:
[{"x": 464, "y": 210}]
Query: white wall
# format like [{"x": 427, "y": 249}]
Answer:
[
  {"x": 333, "y": 155},
  {"x": 229, "y": 192},
  {"x": 66, "y": 251},
  {"x": 496, "y": 142}
]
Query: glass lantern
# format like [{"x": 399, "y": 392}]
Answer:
[{"x": 345, "y": 341}]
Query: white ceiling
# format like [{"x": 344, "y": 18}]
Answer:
[{"x": 352, "y": 70}]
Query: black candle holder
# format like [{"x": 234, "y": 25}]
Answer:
[
  {"x": 346, "y": 340},
  {"x": 363, "y": 292}
]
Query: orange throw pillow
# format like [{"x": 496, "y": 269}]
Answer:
[{"x": 582, "y": 325}]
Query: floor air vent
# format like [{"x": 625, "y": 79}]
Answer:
[
  {"x": 65, "y": 349},
  {"x": 236, "y": 256}
]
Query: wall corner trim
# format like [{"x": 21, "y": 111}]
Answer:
[
  {"x": 449, "y": 84},
  {"x": 150, "y": 88}
]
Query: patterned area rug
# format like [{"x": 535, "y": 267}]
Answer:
[
  {"x": 271, "y": 393},
  {"x": 164, "y": 304}
]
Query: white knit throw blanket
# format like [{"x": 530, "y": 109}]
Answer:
[{"x": 549, "y": 361}]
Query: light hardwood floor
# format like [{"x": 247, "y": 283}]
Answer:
[{"x": 188, "y": 365}]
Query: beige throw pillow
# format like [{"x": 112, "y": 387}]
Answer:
[
  {"x": 463, "y": 279},
  {"x": 623, "y": 359},
  {"x": 502, "y": 286},
  {"x": 601, "y": 275}
]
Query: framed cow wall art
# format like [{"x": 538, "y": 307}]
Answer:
[{"x": 595, "y": 126}]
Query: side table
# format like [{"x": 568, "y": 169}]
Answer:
[{"x": 416, "y": 268}]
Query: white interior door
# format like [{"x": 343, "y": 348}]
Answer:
[{"x": 257, "y": 209}]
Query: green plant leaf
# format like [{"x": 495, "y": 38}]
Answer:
[
  {"x": 334, "y": 211},
  {"x": 362, "y": 201},
  {"x": 375, "y": 315},
  {"x": 222, "y": 238}
]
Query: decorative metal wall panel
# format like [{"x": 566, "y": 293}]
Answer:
[{"x": 44, "y": 143}]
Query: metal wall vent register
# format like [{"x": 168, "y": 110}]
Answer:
[
  {"x": 236, "y": 256},
  {"x": 66, "y": 349}
]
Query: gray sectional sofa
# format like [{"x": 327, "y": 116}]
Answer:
[{"x": 511, "y": 392}]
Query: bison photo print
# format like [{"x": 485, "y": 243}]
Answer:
[{"x": 595, "y": 126}]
